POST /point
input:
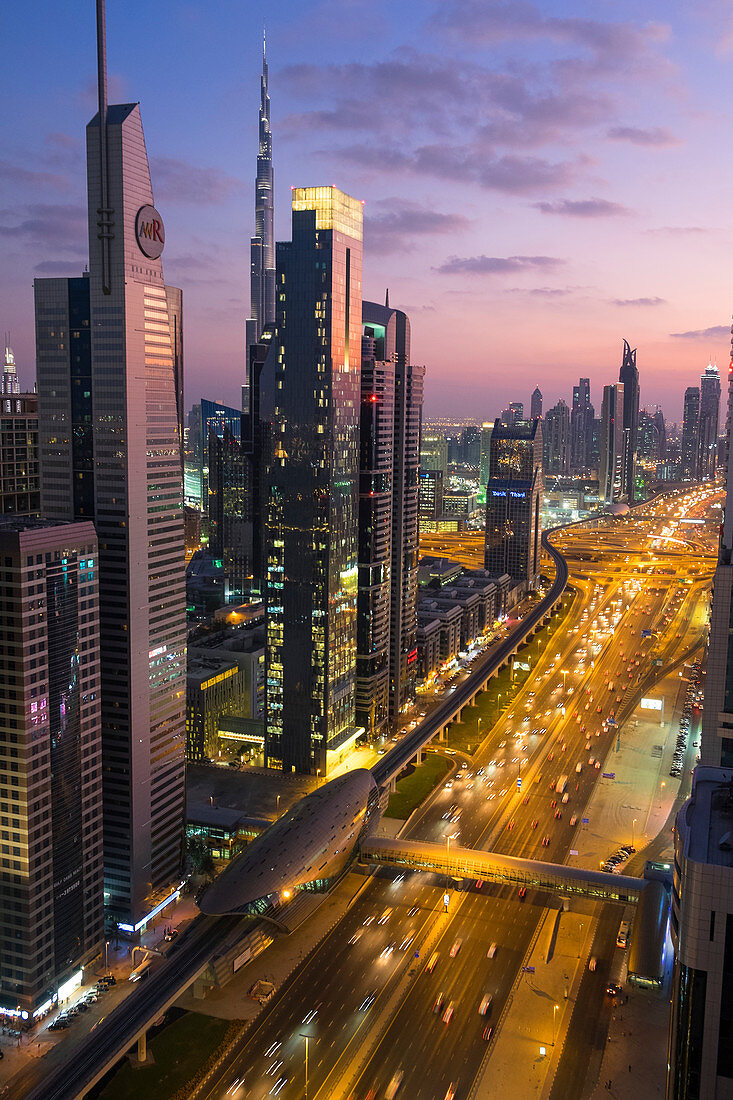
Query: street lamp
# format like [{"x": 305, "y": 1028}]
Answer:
[
  {"x": 554, "y": 1017},
  {"x": 277, "y": 805},
  {"x": 564, "y": 672},
  {"x": 306, "y": 1037},
  {"x": 106, "y": 945},
  {"x": 633, "y": 826}
]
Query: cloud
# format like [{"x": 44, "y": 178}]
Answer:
[
  {"x": 496, "y": 265},
  {"x": 582, "y": 208},
  {"x": 47, "y": 225},
  {"x": 60, "y": 268},
  {"x": 658, "y": 135},
  {"x": 493, "y": 21},
  {"x": 678, "y": 230},
  {"x": 402, "y": 220},
  {"x": 24, "y": 177},
  {"x": 638, "y": 301},
  {"x": 541, "y": 291},
  {"x": 716, "y": 332},
  {"x": 177, "y": 181}
]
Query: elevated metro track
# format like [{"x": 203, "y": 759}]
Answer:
[{"x": 395, "y": 760}]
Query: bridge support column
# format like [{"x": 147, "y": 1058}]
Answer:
[
  {"x": 392, "y": 786},
  {"x": 419, "y": 757},
  {"x": 142, "y": 1047},
  {"x": 443, "y": 734},
  {"x": 459, "y": 717}
]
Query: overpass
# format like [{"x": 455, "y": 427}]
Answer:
[
  {"x": 649, "y": 930},
  {"x": 451, "y": 709}
]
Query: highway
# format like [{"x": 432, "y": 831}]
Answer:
[{"x": 598, "y": 664}]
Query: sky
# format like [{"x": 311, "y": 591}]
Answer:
[{"x": 540, "y": 179}]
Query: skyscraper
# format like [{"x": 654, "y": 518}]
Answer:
[
  {"x": 581, "y": 428},
  {"x": 629, "y": 378},
  {"x": 486, "y": 430},
  {"x": 513, "y": 500},
  {"x": 535, "y": 405},
  {"x": 229, "y": 507},
  {"x": 556, "y": 440},
  {"x": 10, "y": 383},
  {"x": 690, "y": 431},
  {"x": 20, "y": 488},
  {"x": 110, "y": 447},
  {"x": 51, "y": 918},
  {"x": 391, "y": 331},
  {"x": 707, "y": 435},
  {"x": 610, "y": 473},
  {"x": 310, "y": 395},
  {"x": 262, "y": 244},
  {"x": 434, "y": 452}
]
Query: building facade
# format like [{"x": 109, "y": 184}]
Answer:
[
  {"x": 513, "y": 502},
  {"x": 690, "y": 431},
  {"x": 310, "y": 396},
  {"x": 629, "y": 379},
  {"x": 110, "y": 450},
  {"x": 611, "y": 464},
  {"x": 51, "y": 900},
  {"x": 9, "y": 383},
  {"x": 701, "y": 1027},
  {"x": 707, "y": 435},
  {"x": 556, "y": 440},
  {"x": 581, "y": 429},
  {"x": 535, "y": 404},
  {"x": 20, "y": 487}
]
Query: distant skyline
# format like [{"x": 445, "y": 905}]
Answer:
[{"x": 539, "y": 184}]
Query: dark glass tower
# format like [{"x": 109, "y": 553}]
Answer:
[
  {"x": 707, "y": 443},
  {"x": 629, "y": 379},
  {"x": 513, "y": 501},
  {"x": 390, "y": 329},
  {"x": 51, "y": 915},
  {"x": 612, "y": 440},
  {"x": 262, "y": 244},
  {"x": 581, "y": 428},
  {"x": 310, "y": 396},
  {"x": 690, "y": 431}
]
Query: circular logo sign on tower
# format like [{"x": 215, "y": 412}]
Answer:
[{"x": 149, "y": 232}]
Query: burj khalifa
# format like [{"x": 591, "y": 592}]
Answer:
[{"x": 262, "y": 245}]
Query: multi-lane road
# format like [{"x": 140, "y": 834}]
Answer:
[{"x": 639, "y": 611}]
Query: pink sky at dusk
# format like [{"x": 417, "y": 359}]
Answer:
[{"x": 540, "y": 179}]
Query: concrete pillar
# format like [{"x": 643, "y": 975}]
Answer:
[
  {"x": 142, "y": 1047},
  {"x": 459, "y": 717},
  {"x": 392, "y": 785},
  {"x": 418, "y": 758},
  {"x": 443, "y": 734}
]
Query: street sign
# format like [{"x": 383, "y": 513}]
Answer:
[
  {"x": 446, "y": 899},
  {"x": 586, "y": 821},
  {"x": 608, "y": 775},
  {"x": 519, "y": 782}
]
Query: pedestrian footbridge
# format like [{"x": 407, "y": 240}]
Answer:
[{"x": 649, "y": 930}]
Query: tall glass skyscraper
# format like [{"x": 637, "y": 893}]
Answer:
[
  {"x": 108, "y": 362},
  {"x": 262, "y": 244},
  {"x": 690, "y": 431},
  {"x": 611, "y": 465},
  {"x": 309, "y": 402},
  {"x": 707, "y": 441},
  {"x": 513, "y": 501},
  {"x": 51, "y": 918},
  {"x": 629, "y": 378}
]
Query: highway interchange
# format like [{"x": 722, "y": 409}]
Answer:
[{"x": 596, "y": 666}]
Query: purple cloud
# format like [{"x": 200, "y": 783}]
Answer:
[
  {"x": 638, "y": 301},
  {"x": 61, "y": 268},
  {"x": 658, "y": 135},
  {"x": 496, "y": 265},
  {"x": 714, "y": 333},
  {"x": 401, "y": 221},
  {"x": 582, "y": 208},
  {"x": 177, "y": 181},
  {"x": 25, "y": 177},
  {"x": 42, "y": 225}
]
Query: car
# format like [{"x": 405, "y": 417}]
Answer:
[
  {"x": 535, "y": 823},
  {"x": 311, "y": 1015},
  {"x": 522, "y": 892},
  {"x": 592, "y": 962},
  {"x": 485, "y": 1006},
  {"x": 546, "y": 841},
  {"x": 558, "y": 814},
  {"x": 487, "y": 1033},
  {"x": 432, "y": 962},
  {"x": 386, "y": 951},
  {"x": 613, "y": 989},
  {"x": 369, "y": 920},
  {"x": 439, "y": 1001},
  {"x": 368, "y": 1001},
  {"x": 448, "y": 1014},
  {"x": 451, "y": 1093},
  {"x": 597, "y": 765},
  {"x": 456, "y": 948},
  {"x": 394, "y": 1085},
  {"x": 356, "y": 937}
]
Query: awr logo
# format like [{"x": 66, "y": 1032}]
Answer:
[{"x": 149, "y": 232}]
